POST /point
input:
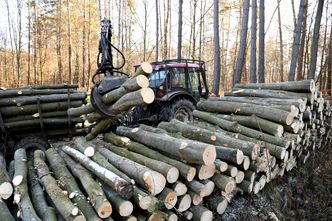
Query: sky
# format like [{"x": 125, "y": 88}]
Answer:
[{"x": 270, "y": 8}]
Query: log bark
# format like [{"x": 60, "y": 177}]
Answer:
[
  {"x": 186, "y": 171},
  {"x": 21, "y": 194},
  {"x": 113, "y": 180},
  {"x": 32, "y": 108},
  {"x": 205, "y": 172},
  {"x": 306, "y": 86},
  {"x": 36, "y": 115},
  {"x": 197, "y": 187},
  {"x": 190, "y": 151},
  {"x": 96, "y": 194},
  {"x": 250, "y": 175},
  {"x": 78, "y": 111},
  {"x": 68, "y": 183},
  {"x": 144, "y": 69},
  {"x": 7, "y": 93},
  {"x": 48, "y": 122},
  {"x": 196, "y": 199},
  {"x": 122, "y": 206},
  {"x": 257, "y": 123},
  {"x": 200, "y": 213},
  {"x": 87, "y": 149},
  {"x": 235, "y": 127},
  {"x": 239, "y": 177},
  {"x": 153, "y": 181},
  {"x": 5, "y": 213},
  {"x": 207, "y": 136},
  {"x": 246, "y": 186},
  {"x": 168, "y": 197},
  {"x": 224, "y": 183},
  {"x": 132, "y": 84},
  {"x": 264, "y": 112},
  {"x": 63, "y": 204},
  {"x": 25, "y": 100},
  {"x": 231, "y": 171},
  {"x": 44, "y": 211},
  {"x": 6, "y": 187},
  {"x": 271, "y": 94},
  {"x": 144, "y": 200},
  {"x": 171, "y": 173}
]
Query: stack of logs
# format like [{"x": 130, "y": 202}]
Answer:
[
  {"x": 236, "y": 144},
  {"x": 39, "y": 110},
  {"x": 133, "y": 92}
]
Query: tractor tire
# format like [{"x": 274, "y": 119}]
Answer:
[{"x": 181, "y": 109}]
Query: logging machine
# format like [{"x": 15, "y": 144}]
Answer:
[{"x": 178, "y": 84}]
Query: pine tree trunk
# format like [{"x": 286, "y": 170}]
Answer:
[
  {"x": 261, "y": 49},
  {"x": 179, "y": 47},
  {"x": 253, "y": 77},
  {"x": 216, "y": 48}
]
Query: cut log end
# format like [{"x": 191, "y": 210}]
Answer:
[
  {"x": 290, "y": 119},
  {"x": 223, "y": 166},
  {"x": 239, "y": 177},
  {"x": 154, "y": 182},
  {"x": 209, "y": 187},
  {"x": 6, "y": 190},
  {"x": 279, "y": 131},
  {"x": 222, "y": 206},
  {"x": 184, "y": 203},
  {"x": 142, "y": 81},
  {"x": 170, "y": 200},
  {"x": 180, "y": 189},
  {"x": 206, "y": 172},
  {"x": 146, "y": 67},
  {"x": 89, "y": 151},
  {"x": 79, "y": 218},
  {"x": 147, "y": 95},
  {"x": 74, "y": 211},
  {"x": 17, "y": 180},
  {"x": 246, "y": 163},
  {"x": 145, "y": 202},
  {"x": 104, "y": 210},
  {"x": 126, "y": 208},
  {"x": 196, "y": 199},
  {"x": 206, "y": 216},
  {"x": 191, "y": 174},
  {"x": 257, "y": 187},
  {"x": 172, "y": 217},
  {"x": 209, "y": 155},
  {"x": 230, "y": 186},
  {"x": 239, "y": 157},
  {"x": 172, "y": 175}
]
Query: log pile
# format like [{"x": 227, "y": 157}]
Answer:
[
  {"x": 188, "y": 171},
  {"x": 133, "y": 92},
  {"x": 39, "y": 110}
]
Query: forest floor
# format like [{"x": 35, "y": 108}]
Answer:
[{"x": 305, "y": 193}]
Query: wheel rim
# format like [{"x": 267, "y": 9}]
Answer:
[{"x": 182, "y": 114}]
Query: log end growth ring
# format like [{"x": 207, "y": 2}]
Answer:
[{"x": 209, "y": 155}]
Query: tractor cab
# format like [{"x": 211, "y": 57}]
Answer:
[{"x": 178, "y": 85}]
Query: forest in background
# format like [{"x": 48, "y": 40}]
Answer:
[{"x": 56, "y": 41}]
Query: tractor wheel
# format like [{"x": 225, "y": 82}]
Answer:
[{"x": 181, "y": 110}]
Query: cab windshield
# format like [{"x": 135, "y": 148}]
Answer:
[{"x": 157, "y": 78}]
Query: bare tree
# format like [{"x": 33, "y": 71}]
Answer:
[
  {"x": 69, "y": 44},
  {"x": 296, "y": 42},
  {"x": 314, "y": 44},
  {"x": 281, "y": 47},
  {"x": 167, "y": 11},
  {"x": 243, "y": 42},
  {"x": 216, "y": 50},
  {"x": 329, "y": 66},
  {"x": 300, "y": 58},
  {"x": 253, "y": 77},
  {"x": 18, "y": 41},
  {"x": 157, "y": 30},
  {"x": 29, "y": 43},
  {"x": 83, "y": 45},
  {"x": 58, "y": 36},
  {"x": 261, "y": 49},
  {"x": 145, "y": 28},
  {"x": 180, "y": 30},
  {"x": 193, "y": 26}
]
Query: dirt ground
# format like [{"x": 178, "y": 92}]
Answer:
[{"x": 305, "y": 193}]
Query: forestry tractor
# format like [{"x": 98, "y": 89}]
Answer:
[{"x": 178, "y": 85}]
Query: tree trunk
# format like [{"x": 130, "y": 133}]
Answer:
[
  {"x": 329, "y": 67},
  {"x": 314, "y": 44},
  {"x": 44, "y": 211},
  {"x": 276, "y": 115},
  {"x": 157, "y": 30},
  {"x": 179, "y": 47},
  {"x": 168, "y": 197},
  {"x": 68, "y": 183},
  {"x": 21, "y": 195},
  {"x": 69, "y": 43},
  {"x": 296, "y": 42},
  {"x": 261, "y": 49},
  {"x": 253, "y": 77},
  {"x": 300, "y": 74},
  {"x": 171, "y": 173},
  {"x": 83, "y": 45},
  {"x": 63, "y": 204},
  {"x": 234, "y": 127},
  {"x": 122, "y": 206},
  {"x": 153, "y": 181},
  {"x": 117, "y": 183},
  {"x": 186, "y": 171},
  {"x": 220, "y": 165},
  {"x": 243, "y": 42},
  {"x": 230, "y": 149},
  {"x": 190, "y": 151},
  {"x": 281, "y": 46},
  {"x": 216, "y": 48},
  {"x": 6, "y": 188}
]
